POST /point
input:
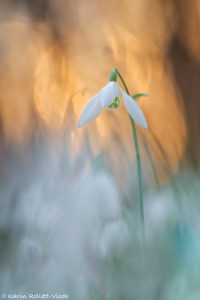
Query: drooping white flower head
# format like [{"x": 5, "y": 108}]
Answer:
[{"x": 109, "y": 96}]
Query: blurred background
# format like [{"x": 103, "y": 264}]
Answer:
[{"x": 68, "y": 196}]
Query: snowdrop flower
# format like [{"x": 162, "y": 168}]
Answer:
[{"x": 109, "y": 97}]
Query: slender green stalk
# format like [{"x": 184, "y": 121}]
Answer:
[{"x": 139, "y": 173}]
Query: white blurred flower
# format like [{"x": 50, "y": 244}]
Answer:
[
  {"x": 109, "y": 96},
  {"x": 114, "y": 239}
]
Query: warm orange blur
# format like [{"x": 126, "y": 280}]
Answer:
[{"x": 51, "y": 63}]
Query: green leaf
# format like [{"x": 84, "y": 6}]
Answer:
[{"x": 137, "y": 96}]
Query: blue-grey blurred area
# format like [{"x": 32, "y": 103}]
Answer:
[{"x": 69, "y": 197}]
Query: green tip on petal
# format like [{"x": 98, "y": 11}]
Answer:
[
  {"x": 115, "y": 104},
  {"x": 137, "y": 96},
  {"x": 113, "y": 75}
]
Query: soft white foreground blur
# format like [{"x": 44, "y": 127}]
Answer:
[{"x": 78, "y": 234}]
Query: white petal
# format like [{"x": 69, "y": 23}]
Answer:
[
  {"x": 134, "y": 110},
  {"x": 90, "y": 112},
  {"x": 108, "y": 94}
]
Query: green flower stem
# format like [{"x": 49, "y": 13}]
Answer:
[{"x": 139, "y": 173}]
